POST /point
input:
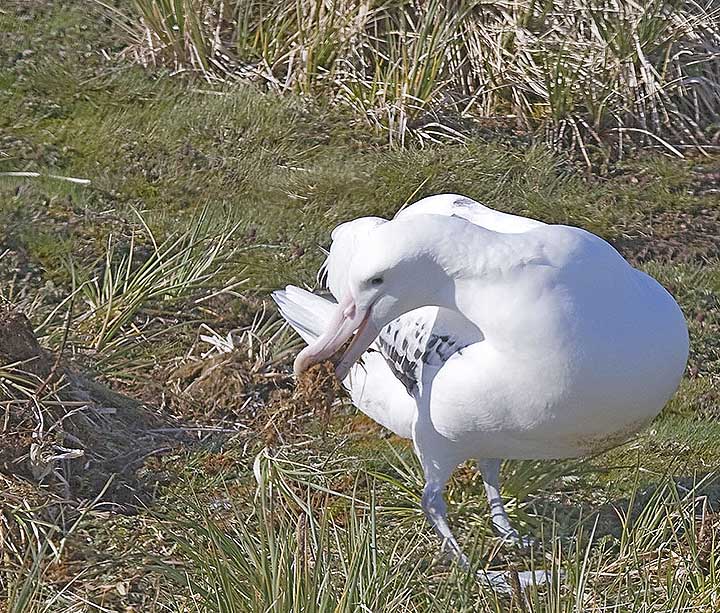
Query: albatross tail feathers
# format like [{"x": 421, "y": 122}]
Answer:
[{"x": 307, "y": 313}]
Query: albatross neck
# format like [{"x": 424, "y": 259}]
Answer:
[{"x": 486, "y": 274}]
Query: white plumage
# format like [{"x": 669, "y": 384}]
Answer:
[{"x": 490, "y": 336}]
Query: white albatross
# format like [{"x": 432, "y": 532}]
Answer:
[{"x": 488, "y": 336}]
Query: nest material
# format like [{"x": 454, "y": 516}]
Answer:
[
  {"x": 318, "y": 387},
  {"x": 233, "y": 386},
  {"x": 220, "y": 387},
  {"x": 314, "y": 395},
  {"x": 219, "y": 384}
]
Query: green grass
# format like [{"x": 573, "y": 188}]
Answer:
[
  {"x": 202, "y": 198},
  {"x": 292, "y": 551}
]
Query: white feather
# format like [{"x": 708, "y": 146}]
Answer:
[{"x": 307, "y": 313}]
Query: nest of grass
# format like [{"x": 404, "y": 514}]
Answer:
[
  {"x": 219, "y": 387},
  {"x": 318, "y": 387},
  {"x": 314, "y": 395},
  {"x": 236, "y": 387}
]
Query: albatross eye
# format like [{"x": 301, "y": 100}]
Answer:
[{"x": 376, "y": 281}]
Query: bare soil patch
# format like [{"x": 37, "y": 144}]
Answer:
[{"x": 673, "y": 236}]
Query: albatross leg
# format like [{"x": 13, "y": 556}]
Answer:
[
  {"x": 490, "y": 470},
  {"x": 433, "y": 504},
  {"x": 435, "y": 509},
  {"x": 437, "y": 467}
]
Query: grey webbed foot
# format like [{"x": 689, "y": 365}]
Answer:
[
  {"x": 502, "y": 581},
  {"x": 513, "y": 537}
]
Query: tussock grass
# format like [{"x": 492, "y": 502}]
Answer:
[
  {"x": 181, "y": 266},
  {"x": 35, "y": 527},
  {"x": 593, "y": 76},
  {"x": 278, "y": 557},
  {"x": 139, "y": 289},
  {"x": 302, "y": 544}
]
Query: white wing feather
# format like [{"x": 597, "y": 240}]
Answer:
[{"x": 474, "y": 212}]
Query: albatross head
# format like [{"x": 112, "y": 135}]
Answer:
[{"x": 393, "y": 271}]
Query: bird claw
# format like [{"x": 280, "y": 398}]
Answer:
[
  {"x": 524, "y": 542},
  {"x": 512, "y": 537},
  {"x": 504, "y": 582}
]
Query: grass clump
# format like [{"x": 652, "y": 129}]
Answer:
[
  {"x": 180, "y": 266},
  {"x": 276, "y": 555},
  {"x": 592, "y": 76},
  {"x": 302, "y": 543}
]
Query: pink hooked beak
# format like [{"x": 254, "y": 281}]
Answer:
[{"x": 346, "y": 320}]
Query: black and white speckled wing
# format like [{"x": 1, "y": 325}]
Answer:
[{"x": 424, "y": 338}]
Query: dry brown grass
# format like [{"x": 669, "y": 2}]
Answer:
[{"x": 587, "y": 75}]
